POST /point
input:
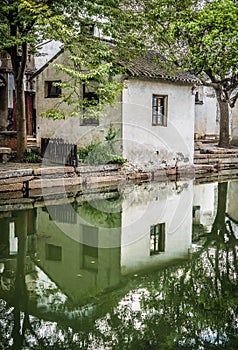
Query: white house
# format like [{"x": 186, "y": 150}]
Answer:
[
  {"x": 207, "y": 115},
  {"x": 155, "y": 113}
]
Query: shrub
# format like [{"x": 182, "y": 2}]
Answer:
[
  {"x": 99, "y": 154},
  {"x": 31, "y": 157}
]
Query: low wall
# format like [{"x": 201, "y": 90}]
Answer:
[{"x": 8, "y": 139}]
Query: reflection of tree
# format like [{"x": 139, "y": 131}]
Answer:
[
  {"x": 188, "y": 306},
  {"x": 193, "y": 306}
]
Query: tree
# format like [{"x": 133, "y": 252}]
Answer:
[
  {"x": 25, "y": 23},
  {"x": 19, "y": 30},
  {"x": 211, "y": 34},
  {"x": 202, "y": 37}
]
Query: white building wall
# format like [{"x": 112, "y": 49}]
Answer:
[
  {"x": 157, "y": 203},
  {"x": 232, "y": 203},
  {"x": 205, "y": 204},
  {"x": 234, "y": 126},
  {"x": 158, "y": 145},
  {"x": 206, "y": 113}
]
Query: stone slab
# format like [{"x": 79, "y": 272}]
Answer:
[
  {"x": 6, "y": 174},
  {"x": 5, "y": 150},
  {"x": 53, "y": 170},
  {"x": 13, "y": 180},
  {"x": 11, "y": 187},
  {"x": 59, "y": 182}
]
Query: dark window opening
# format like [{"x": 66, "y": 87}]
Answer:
[
  {"x": 52, "y": 90},
  {"x": 53, "y": 252}
]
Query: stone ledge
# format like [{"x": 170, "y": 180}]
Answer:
[
  {"x": 53, "y": 170},
  {"x": 6, "y": 174}
]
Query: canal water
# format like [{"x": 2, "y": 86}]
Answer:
[{"x": 146, "y": 266}]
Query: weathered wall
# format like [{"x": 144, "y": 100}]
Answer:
[
  {"x": 206, "y": 113},
  {"x": 69, "y": 129},
  {"x": 158, "y": 145}
]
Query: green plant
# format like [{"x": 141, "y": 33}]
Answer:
[
  {"x": 84, "y": 152},
  {"x": 31, "y": 157},
  {"x": 98, "y": 154}
]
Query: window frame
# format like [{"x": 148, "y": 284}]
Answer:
[
  {"x": 157, "y": 239},
  {"x": 89, "y": 121},
  {"x": 49, "y": 86},
  {"x": 159, "y": 120}
]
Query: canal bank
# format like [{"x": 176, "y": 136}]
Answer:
[{"x": 21, "y": 181}]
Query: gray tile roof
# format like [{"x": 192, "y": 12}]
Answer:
[{"x": 151, "y": 66}]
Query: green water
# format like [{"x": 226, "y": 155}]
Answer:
[{"x": 150, "y": 266}]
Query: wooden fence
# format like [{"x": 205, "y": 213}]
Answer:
[{"x": 57, "y": 151}]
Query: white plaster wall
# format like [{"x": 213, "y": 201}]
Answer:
[
  {"x": 158, "y": 145},
  {"x": 156, "y": 203},
  {"x": 232, "y": 203},
  {"x": 234, "y": 125},
  {"x": 205, "y": 197},
  {"x": 207, "y": 113}
]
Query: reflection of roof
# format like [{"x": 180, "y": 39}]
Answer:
[{"x": 150, "y": 66}]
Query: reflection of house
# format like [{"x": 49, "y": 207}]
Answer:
[
  {"x": 7, "y": 96},
  {"x": 232, "y": 205},
  {"x": 156, "y": 226},
  {"x": 204, "y": 207},
  {"x": 15, "y": 225},
  {"x": 137, "y": 229},
  {"x": 155, "y": 113},
  {"x": 73, "y": 255}
]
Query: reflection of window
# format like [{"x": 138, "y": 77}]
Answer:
[
  {"x": 93, "y": 101},
  {"x": 53, "y": 252},
  {"x": 196, "y": 213},
  {"x": 51, "y": 90},
  {"x": 90, "y": 247},
  {"x": 159, "y": 110},
  {"x": 157, "y": 238}
]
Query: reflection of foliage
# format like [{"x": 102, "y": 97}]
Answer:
[
  {"x": 192, "y": 305},
  {"x": 102, "y": 213}
]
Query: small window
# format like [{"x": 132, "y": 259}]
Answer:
[
  {"x": 157, "y": 239},
  {"x": 199, "y": 95},
  {"x": 159, "y": 110},
  {"x": 53, "y": 252},
  {"x": 51, "y": 90},
  {"x": 93, "y": 98}
]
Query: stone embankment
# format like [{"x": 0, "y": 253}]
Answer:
[
  {"x": 215, "y": 162},
  {"x": 41, "y": 183},
  {"x": 38, "y": 183}
]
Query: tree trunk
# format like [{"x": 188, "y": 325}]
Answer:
[
  {"x": 224, "y": 137},
  {"x": 21, "y": 119}
]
